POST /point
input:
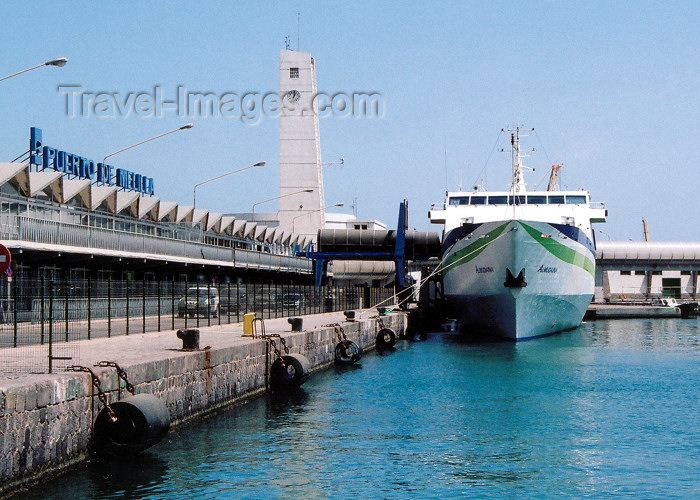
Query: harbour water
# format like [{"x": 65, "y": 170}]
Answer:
[{"x": 610, "y": 408}]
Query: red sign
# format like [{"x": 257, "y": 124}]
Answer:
[{"x": 5, "y": 258}]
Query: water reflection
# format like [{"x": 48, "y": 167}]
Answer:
[
  {"x": 575, "y": 414},
  {"x": 137, "y": 477},
  {"x": 346, "y": 369},
  {"x": 132, "y": 477},
  {"x": 673, "y": 334}
]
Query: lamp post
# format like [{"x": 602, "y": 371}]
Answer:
[
  {"x": 277, "y": 198},
  {"x": 184, "y": 127},
  {"x": 194, "y": 191},
  {"x": 603, "y": 232},
  {"x": 60, "y": 62},
  {"x": 314, "y": 211}
]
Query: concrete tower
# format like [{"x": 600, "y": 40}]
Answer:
[{"x": 300, "y": 150}]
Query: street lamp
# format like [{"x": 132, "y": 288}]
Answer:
[
  {"x": 184, "y": 127},
  {"x": 60, "y": 62},
  {"x": 603, "y": 232},
  {"x": 194, "y": 191},
  {"x": 277, "y": 198},
  {"x": 314, "y": 211}
]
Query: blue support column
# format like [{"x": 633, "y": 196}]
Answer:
[
  {"x": 320, "y": 267},
  {"x": 400, "y": 247}
]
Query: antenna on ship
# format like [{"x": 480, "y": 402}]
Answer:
[
  {"x": 518, "y": 179},
  {"x": 516, "y": 159}
]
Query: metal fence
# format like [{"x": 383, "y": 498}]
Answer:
[
  {"x": 42, "y": 321},
  {"x": 187, "y": 244}
]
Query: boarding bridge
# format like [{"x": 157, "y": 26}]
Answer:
[{"x": 363, "y": 245}]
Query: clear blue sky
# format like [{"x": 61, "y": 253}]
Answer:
[{"x": 612, "y": 89}]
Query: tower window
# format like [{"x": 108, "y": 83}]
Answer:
[{"x": 293, "y": 72}]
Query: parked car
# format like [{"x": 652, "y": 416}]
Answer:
[
  {"x": 199, "y": 300},
  {"x": 292, "y": 301},
  {"x": 232, "y": 302}
]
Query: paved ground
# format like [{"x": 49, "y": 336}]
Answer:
[
  {"x": 609, "y": 311},
  {"x": 32, "y": 333},
  {"x": 142, "y": 347}
]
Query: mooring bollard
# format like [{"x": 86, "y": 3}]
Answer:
[
  {"x": 190, "y": 339},
  {"x": 296, "y": 324}
]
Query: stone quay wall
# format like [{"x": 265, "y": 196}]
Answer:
[{"x": 46, "y": 421}]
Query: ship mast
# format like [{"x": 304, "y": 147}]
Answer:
[{"x": 518, "y": 179}]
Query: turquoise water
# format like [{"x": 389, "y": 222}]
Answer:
[{"x": 609, "y": 409}]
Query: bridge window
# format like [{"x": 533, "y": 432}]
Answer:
[
  {"x": 556, "y": 200},
  {"x": 459, "y": 200},
  {"x": 625, "y": 273},
  {"x": 516, "y": 200},
  {"x": 536, "y": 200},
  {"x": 577, "y": 199},
  {"x": 478, "y": 200},
  {"x": 498, "y": 200}
]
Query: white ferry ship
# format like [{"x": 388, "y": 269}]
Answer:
[{"x": 518, "y": 264}]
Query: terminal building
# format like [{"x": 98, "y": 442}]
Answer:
[
  {"x": 71, "y": 227},
  {"x": 642, "y": 270},
  {"x": 66, "y": 216}
]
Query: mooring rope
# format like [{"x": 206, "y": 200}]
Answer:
[{"x": 437, "y": 269}]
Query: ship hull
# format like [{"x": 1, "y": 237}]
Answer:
[{"x": 519, "y": 279}]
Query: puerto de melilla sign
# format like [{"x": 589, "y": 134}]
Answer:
[{"x": 49, "y": 158}]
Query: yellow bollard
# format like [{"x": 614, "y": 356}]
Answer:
[{"x": 248, "y": 324}]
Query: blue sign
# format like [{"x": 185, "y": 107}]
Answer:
[{"x": 49, "y": 158}]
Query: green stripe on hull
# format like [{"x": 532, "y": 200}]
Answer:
[
  {"x": 561, "y": 251},
  {"x": 467, "y": 253}
]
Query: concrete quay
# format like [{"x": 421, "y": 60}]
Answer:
[
  {"x": 629, "y": 311},
  {"x": 46, "y": 420}
]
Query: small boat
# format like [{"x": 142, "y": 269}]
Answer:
[
  {"x": 518, "y": 264},
  {"x": 665, "y": 302},
  {"x": 687, "y": 309}
]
